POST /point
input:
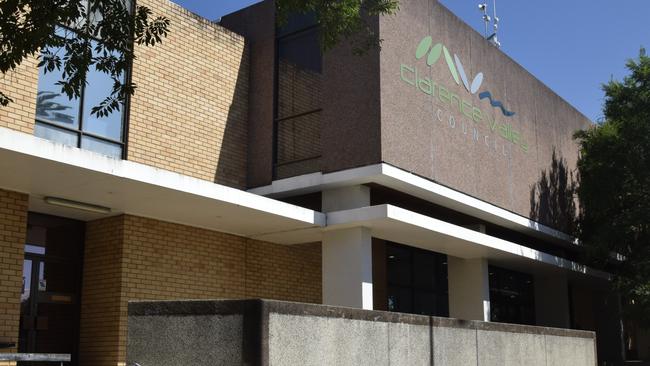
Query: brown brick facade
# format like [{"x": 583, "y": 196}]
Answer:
[
  {"x": 13, "y": 231},
  {"x": 134, "y": 258},
  {"x": 189, "y": 113}
]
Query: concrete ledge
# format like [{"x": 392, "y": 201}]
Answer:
[{"x": 265, "y": 332}]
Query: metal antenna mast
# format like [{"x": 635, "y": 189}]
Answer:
[
  {"x": 493, "y": 38},
  {"x": 486, "y": 17}
]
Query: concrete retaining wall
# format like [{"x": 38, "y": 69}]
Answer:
[{"x": 260, "y": 332}]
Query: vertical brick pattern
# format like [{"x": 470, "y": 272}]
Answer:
[
  {"x": 13, "y": 231},
  {"x": 189, "y": 113},
  {"x": 21, "y": 85},
  {"x": 99, "y": 336},
  {"x": 155, "y": 260}
]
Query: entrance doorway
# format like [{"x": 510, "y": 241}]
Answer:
[{"x": 49, "y": 321}]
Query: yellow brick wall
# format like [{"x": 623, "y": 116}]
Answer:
[
  {"x": 21, "y": 86},
  {"x": 99, "y": 335},
  {"x": 160, "y": 260},
  {"x": 13, "y": 231},
  {"x": 189, "y": 113}
]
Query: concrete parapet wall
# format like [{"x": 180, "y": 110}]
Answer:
[{"x": 261, "y": 332}]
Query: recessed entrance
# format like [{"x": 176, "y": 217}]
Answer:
[{"x": 49, "y": 319}]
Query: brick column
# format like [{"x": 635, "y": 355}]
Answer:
[{"x": 13, "y": 231}]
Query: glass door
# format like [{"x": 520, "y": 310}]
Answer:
[{"x": 49, "y": 321}]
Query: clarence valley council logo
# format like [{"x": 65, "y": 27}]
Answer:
[{"x": 433, "y": 53}]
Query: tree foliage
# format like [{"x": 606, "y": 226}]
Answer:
[
  {"x": 103, "y": 39},
  {"x": 614, "y": 191},
  {"x": 66, "y": 39},
  {"x": 341, "y": 19}
]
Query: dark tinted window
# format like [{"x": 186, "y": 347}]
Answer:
[
  {"x": 417, "y": 281},
  {"x": 297, "y": 23},
  {"x": 512, "y": 296},
  {"x": 301, "y": 50},
  {"x": 298, "y": 98}
]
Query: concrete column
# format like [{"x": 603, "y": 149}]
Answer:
[
  {"x": 347, "y": 268},
  {"x": 552, "y": 301},
  {"x": 345, "y": 198},
  {"x": 469, "y": 288},
  {"x": 347, "y": 254}
]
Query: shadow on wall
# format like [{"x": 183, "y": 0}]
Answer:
[
  {"x": 233, "y": 152},
  {"x": 553, "y": 197}
]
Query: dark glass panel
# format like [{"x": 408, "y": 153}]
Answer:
[
  {"x": 399, "y": 265},
  {"x": 299, "y": 138},
  {"x": 400, "y": 299},
  {"x": 297, "y": 22},
  {"x": 299, "y": 74},
  {"x": 424, "y": 303},
  {"x": 420, "y": 274},
  {"x": 424, "y": 270},
  {"x": 511, "y": 296}
]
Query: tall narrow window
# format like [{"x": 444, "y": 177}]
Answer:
[
  {"x": 298, "y": 98},
  {"x": 70, "y": 121}
]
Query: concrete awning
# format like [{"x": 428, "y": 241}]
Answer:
[
  {"x": 407, "y": 227},
  {"x": 42, "y": 168},
  {"x": 416, "y": 186}
]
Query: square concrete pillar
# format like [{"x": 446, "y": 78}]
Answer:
[
  {"x": 552, "y": 301},
  {"x": 345, "y": 198},
  {"x": 347, "y": 268},
  {"x": 469, "y": 288}
]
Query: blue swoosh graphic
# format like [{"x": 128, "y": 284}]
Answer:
[{"x": 496, "y": 103}]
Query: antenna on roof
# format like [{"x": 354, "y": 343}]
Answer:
[
  {"x": 486, "y": 18},
  {"x": 493, "y": 38}
]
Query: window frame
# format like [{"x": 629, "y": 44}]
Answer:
[{"x": 79, "y": 131}]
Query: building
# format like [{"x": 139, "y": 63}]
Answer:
[{"x": 428, "y": 178}]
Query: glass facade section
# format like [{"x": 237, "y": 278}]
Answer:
[
  {"x": 417, "y": 281},
  {"x": 512, "y": 296}
]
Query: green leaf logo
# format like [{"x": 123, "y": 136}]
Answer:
[
  {"x": 456, "y": 69},
  {"x": 423, "y": 47},
  {"x": 434, "y": 55},
  {"x": 455, "y": 66}
]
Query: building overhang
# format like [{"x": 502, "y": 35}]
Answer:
[
  {"x": 403, "y": 181},
  {"x": 43, "y": 169},
  {"x": 407, "y": 227}
]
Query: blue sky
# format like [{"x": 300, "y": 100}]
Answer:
[{"x": 573, "y": 46}]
